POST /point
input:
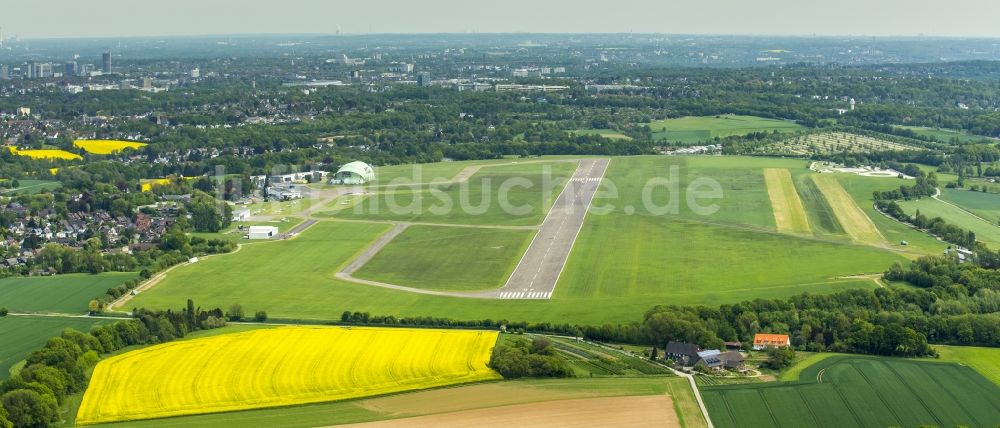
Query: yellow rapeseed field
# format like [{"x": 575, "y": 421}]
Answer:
[
  {"x": 147, "y": 184},
  {"x": 107, "y": 147},
  {"x": 46, "y": 154},
  {"x": 280, "y": 367}
]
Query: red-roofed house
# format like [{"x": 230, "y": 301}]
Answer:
[{"x": 765, "y": 340}]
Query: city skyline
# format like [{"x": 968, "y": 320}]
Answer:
[{"x": 118, "y": 18}]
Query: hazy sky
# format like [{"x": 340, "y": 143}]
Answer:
[{"x": 78, "y": 18}]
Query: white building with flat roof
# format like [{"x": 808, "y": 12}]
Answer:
[{"x": 262, "y": 232}]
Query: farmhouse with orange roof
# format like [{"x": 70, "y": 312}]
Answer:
[{"x": 765, "y": 340}]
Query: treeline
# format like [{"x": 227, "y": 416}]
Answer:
[
  {"x": 32, "y": 397},
  {"x": 926, "y": 185},
  {"x": 958, "y": 304},
  {"x": 935, "y": 226}
]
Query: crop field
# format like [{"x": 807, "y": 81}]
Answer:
[
  {"x": 61, "y": 293},
  {"x": 281, "y": 367},
  {"x": 490, "y": 395},
  {"x": 985, "y": 205},
  {"x": 696, "y": 129},
  {"x": 107, "y": 147},
  {"x": 480, "y": 200},
  {"x": 46, "y": 154},
  {"x": 986, "y": 232},
  {"x": 448, "y": 258},
  {"x": 20, "y": 335},
  {"x": 847, "y": 391},
  {"x": 30, "y": 187},
  {"x": 855, "y": 222},
  {"x": 789, "y": 214},
  {"x": 833, "y": 142}
]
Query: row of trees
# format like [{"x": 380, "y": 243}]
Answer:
[{"x": 32, "y": 397}]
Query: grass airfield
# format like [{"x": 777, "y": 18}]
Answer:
[{"x": 629, "y": 256}]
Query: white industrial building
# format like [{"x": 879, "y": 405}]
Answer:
[{"x": 262, "y": 232}]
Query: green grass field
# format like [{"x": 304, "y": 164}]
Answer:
[
  {"x": 846, "y": 391},
  {"x": 947, "y": 135},
  {"x": 861, "y": 189},
  {"x": 986, "y": 361},
  {"x": 20, "y": 335},
  {"x": 529, "y": 187},
  {"x": 30, "y": 187},
  {"x": 610, "y": 134},
  {"x": 985, "y": 205},
  {"x": 448, "y": 258},
  {"x": 696, "y": 129},
  {"x": 988, "y": 233},
  {"x": 60, "y": 293}
]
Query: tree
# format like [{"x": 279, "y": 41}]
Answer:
[
  {"x": 4, "y": 418},
  {"x": 260, "y": 316},
  {"x": 779, "y": 358},
  {"x": 3, "y": 312},
  {"x": 29, "y": 409},
  {"x": 205, "y": 216},
  {"x": 235, "y": 312}
]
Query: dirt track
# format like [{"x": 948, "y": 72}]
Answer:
[{"x": 636, "y": 411}]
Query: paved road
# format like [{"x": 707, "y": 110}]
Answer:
[{"x": 538, "y": 271}]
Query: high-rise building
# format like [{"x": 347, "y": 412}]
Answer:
[
  {"x": 195, "y": 73},
  {"x": 44, "y": 70},
  {"x": 106, "y": 62},
  {"x": 69, "y": 69},
  {"x": 4, "y": 72},
  {"x": 29, "y": 73},
  {"x": 424, "y": 79}
]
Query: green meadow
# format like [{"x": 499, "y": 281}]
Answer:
[
  {"x": 530, "y": 188},
  {"x": 449, "y": 258},
  {"x": 697, "y": 129},
  {"x": 988, "y": 233},
  {"x": 60, "y": 293},
  {"x": 20, "y": 335},
  {"x": 985, "y": 205}
]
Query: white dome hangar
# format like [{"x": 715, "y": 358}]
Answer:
[{"x": 356, "y": 172}]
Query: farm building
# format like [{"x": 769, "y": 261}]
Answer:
[
  {"x": 683, "y": 353},
  {"x": 356, "y": 172},
  {"x": 765, "y": 340},
  {"x": 262, "y": 232}
]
